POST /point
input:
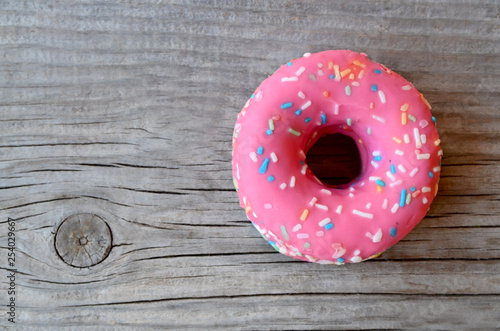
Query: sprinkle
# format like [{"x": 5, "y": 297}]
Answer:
[
  {"x": 345, "y": 72},
  {"x": 396, "y": 183},
  {"x": 384, "y": 204},
  {"x": 289, "y": 79},
  {"x": 294, "y": 132},
  {"x": 320, "y": 72},
  {"x": 361, "y": 74},
  {"x": 339, "y": 209},
  {"x": 390, "y": 176},
  {"x": 271, "y": 124},
  {"x": 377, "y": 71},
  {"x": 337, "y": 72},
  {"x": 372, "y": 105},
  {"x": 312, "y": 77},
  {"x": 380, "y": 182},
  {"x": 412, "y": 118},
  {"x": 323, "y": 207},
  {"x": 413, "y": 189},
  {"x": 289, "y": 64},
  {"x": 437, "y": 142},
  {"x": 263, "y": 167},
  {"x": 328, "y": 226},
  {"x": 308, "y": 119},
  {"x": 362, "y": 214},
  {"x": 381, "y": 95},
  {"x": 303, "y": 170},
  {"x": 398, "y": 152},
  {"x": 327, "y": 192},
  {"x": 307, "y": 104},
  {"x": 326, "y": 94},
  {"x": 416, "y": 193},
  {"x": 374, "y": 164},
  {"x": 323, "y": 118},
  {"x": 274, "y": 157},
  {"x": 304, "y": 215},
  {"x": 392, "y": 232},
  {"x": 403, "y": 119},
  {"x": 297, "y": 227},
  {"x": 393, "y": 169},
  {"x": 320, "y": 234},
  {"x": 269, "y": 132},
  {"x": 423, "y": 123},
  {"x": 306, "y": 246},
  {"x": 292, "y": 181},
  {"x": 397, "y": 140},
  {"x": 376, "y": 153},
  {"x": 307, "y": 54},
  {"x": 423, "y": 156},
  {"x": 424, "y": 200},
  {"x": 260, "y": 150},
  {"x": 440, "y": 152},
  {"x": 302, "y": 95},
  {"x": 253, "y": 156},
  {"x": 283, "y": 186},
  {"x": 402, "y": 198},
  {"x": 332, "y": 76},
  {"x": 403, "y": 169},
  {"x": 349, "y": 122},
  {"x": 368, "y": 205},
  {"x": 357, "y": 63},
  {"x": 426, "y": 189},
  {"x": 408, "y": 198},
  {"x": 324, "y": 222},
  {"x": 351, "y": 195},
  {"x": 348, "y": 90},
  {"x": 406, "y": 88},
  {"x": 355, "y": 83},
  {"x": 376, "y": 237},
  {"x": 372, "y": 178},
  {"x": 395, "y": 208},
  {"x": 300, "y": 71},
  {"x": 425, "y": 101},
  {"x": 320, "y": 65},
  {"x": 436, "y": 169},
  {"x": 413, "y": 172},
  {"x": 336, "y": 109},
  {"x": 378, "y": 118},
  {"x": 270, "y": 179},
  {"x": 313, "y": 201},
  {"x": 416, "y": 134},
  {"x": 369, "y": 131},
  {"x": 302, "y": 235},
  {"x": 431, "y": 174},
  {"x": 351, "y": 77},
  {"x": 406, "y": 138},
  {"x": 423, "y": 138},
  {"x": 377, "y": 158},
  {"x": 285, "y": 234},
  {"x": 286, "y": 105},
  {"x": 298, "y": 112},
  {"x": 374, "y": 88},
  {"x": 433, "y": 119}
]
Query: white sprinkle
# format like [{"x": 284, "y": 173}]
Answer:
[
  {"x": 302, "y": 95},
  {"x": 283, "y": 250},
  {"x": 351, "y": 195},
  {"x": 378, "y": 118},
  {"x": 403, "y": 169},
  {"x": 440, "y": 152},
  {"x": 376, "y": 153},
  {"x": 307, "y": 54},
  {"x": 339, "y": 209},
  {"x": 325, "y": 222},
  {"x": 283, "y": 186},
  {"x": 423, "y": 156},
  {"x": 406, "y": 88},
  {"x": 362, "y": 214},
  {"x": 381, "y": 95},
  {"x": 424, "y": 200},
  {"x": 372, "y": 178},
  {"x": 304, "y": 168},
  {"x": 297, "y": 228},
  {"x": 274, "y": 157},
  {"x": 307, "y": 104},
  {"x": 406, "y": 138},
  {"x": 254, "y": 215},
  {"x": 378, "y": 236},
  {"x": 423, "y": 123},
  {"x": 327, "y": 192},
  {"x": 437, "y": 142},
  {"x": 289, "y": 79},
  {"x": 413, "y": 172},
  {"x": 356, "y": 259},
  {"x": 368, "y": 205},
  {"x": 390, "y": 175},
  {"x": 300, "y": 71},
  {"x": 337, "y": 73},
  {"x": 374, "y": 164},
  {"x": 302, "y": 235},
  {"x": 323, "y": 207},
  {"x": 423, "y": 138},
  {"x": 320, "y": 65},
  {"x": 352, "y": 189},
  {"x": 336, "y": 109},
  {"x": 313, "y": 201},
  {"x": 398, "y": 152},
  {"x": 395, "y": 208},
  {"x": 396, "y": 183},
  {"x": 436, "y": 169},
  {"x": 253, "y": 156},
  {"x": 426, "y": 189},
  {"x": 302, "y": 154},
  {"x": 355, "y": 84},
  {"x": 320, "y": 234},
  {"x": 384, "y": 205},
  {"x": 361, "y": 74},
  {"x": 292, "y": 181},
  {"x": 320, "y": 72},
  {"x": 416, "y": 134},
  {"x": 238, "y": 171}
]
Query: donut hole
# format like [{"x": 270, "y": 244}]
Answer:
[{"x": 335, "y": 160}]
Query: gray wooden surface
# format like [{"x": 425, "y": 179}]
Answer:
[{"x": 125, "y": 110}]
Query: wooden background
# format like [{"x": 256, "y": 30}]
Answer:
[{"x": 126, "y": 110}]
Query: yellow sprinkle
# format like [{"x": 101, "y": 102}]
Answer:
[
  {"x": 360, "y": 141},
  {"x": 403, "y": 118},
  {"x": 405, "y": 107},
  {"x": 345, "y": 73},
  {"x": 248, "y": 209},
  {"x": 396, "y": 140},
  {"x": 359, "y": 64},
  {"x": 351, "y": 76},
  {"x": 304, "y": 215},
  {"x": 361, "y": 74},
  {"x": 379, "y": 188},
  {"x": 330, "y": 65},
  {"x": 337, "y": 73}
]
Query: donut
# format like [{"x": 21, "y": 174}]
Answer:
[{"x": 335, "y": 92}]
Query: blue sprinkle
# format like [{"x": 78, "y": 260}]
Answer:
[
  {"x": 340, "y": 259},
  {"x": 393, "y": 169},
  {"x": 271, "y": 242},
  {"x": 433, "y": 119},
  {"x": 307, "y": 119},
  {"x": 392, "y": 231},
  {"x": 263, "y": 167},
  {"x": 286, "y": 105},
  {"x": 332, "y": 76},
  {"x": 289, "y": 64},
  {"x": 431, "y": 174},
  {"x": 380, "y": 182},
  {"x": 323, "y": 118},
  {"x": 270, "y": 179},
  {"x": 413, "y": 189},
  {"x": 374, "y": 88},
  {"x": 328, "y": 226},
  {"x": 253, "y": 96},
  {"x": 402, "y": 199},
  {"x": 377, "y": 71},
  {"x": 377, "y": 158},
  {"x": 260, "y": 150},
  {"x": 269, "y": 132},
  {"x": 301, "y": 162},
  {"x": 298, "y": 112}
]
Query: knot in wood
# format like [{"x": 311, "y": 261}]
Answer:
[{"x": 83, "y": 240}]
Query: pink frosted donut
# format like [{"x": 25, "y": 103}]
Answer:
[{"x": 324, "y": 93}]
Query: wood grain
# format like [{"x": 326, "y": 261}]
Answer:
[{"x": 125, "y": 110}]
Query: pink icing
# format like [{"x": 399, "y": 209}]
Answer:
[{"x": 335, "y": 92}]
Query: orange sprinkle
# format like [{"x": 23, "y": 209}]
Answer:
[
  {"x": 405, "y": 107},
  {"x": 415, "y": 194},
  {"x": 379, "y": 188},
  {"x": 372, "y": 105},
  {"x": 304, "y": 215},
  {"x": 403, "y": 118},
  {"x": 359, "y": 64},
  {"x": 330, "y": 65},
  {"x": 326, "y": 94},
  {"x": 345, "y": 73},
  {"x": 396, "y": 140},
  {"x": 425, "y": 100}
]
